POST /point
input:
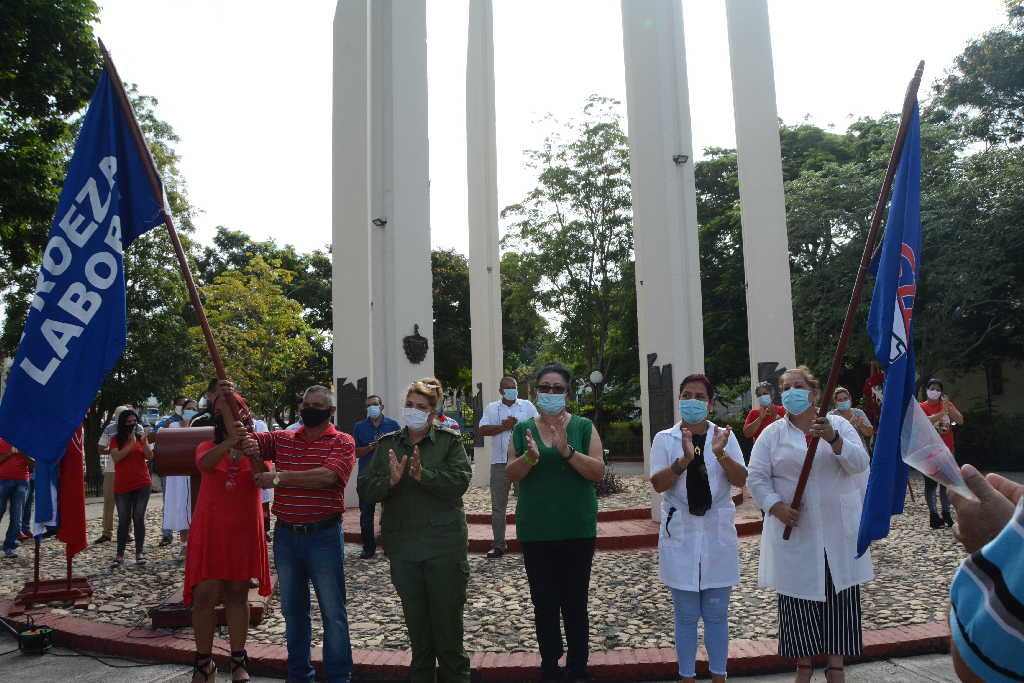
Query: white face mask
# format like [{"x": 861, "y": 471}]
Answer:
[
  {"x": 934, "y": 394},
  {"x": 415, "y": 419}
]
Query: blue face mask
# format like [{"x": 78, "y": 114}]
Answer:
[
  {"x": 796, "y": 401},
  {"x": 765, "y": 399},
  {"x": 550, "y": 404},
  {"x": 693, "y": 411},
  {"x": 187, "y": 415},
  {"x": 373, "y": 412},
  {"x": 844, "y": 405},
  {"x": 510, "y": 394}
]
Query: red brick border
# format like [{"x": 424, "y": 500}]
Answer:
[
  {"x": 626, "y": 529},
  {"x": 746, "y": 656}
]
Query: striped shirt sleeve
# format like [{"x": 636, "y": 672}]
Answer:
[
  {"x": 987, "y": 605},
  {"x": 342, "y": 457}
]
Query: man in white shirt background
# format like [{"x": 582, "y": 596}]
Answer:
[{"x": 497, "y": 422}]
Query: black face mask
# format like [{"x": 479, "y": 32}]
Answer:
[{"x": 314, "y": 417}]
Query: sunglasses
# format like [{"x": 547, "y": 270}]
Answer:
[{"x": 551, "y": 389}]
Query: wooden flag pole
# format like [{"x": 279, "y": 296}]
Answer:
[
  {"x": 158, "y": 192},
  {"x": 858, "y": 287}
]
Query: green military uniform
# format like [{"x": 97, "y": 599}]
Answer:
[{"x": 426, "y": 540}]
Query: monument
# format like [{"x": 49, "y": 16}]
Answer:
[
  {"x": 383, "y": 311},
  {"x": 382, "y": 236}
]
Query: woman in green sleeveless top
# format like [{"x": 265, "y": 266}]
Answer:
[{"x": 556, "y": 458}]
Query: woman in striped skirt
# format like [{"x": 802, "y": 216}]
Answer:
[{"x": 819, "y": 601}]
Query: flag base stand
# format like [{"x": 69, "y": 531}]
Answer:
[{"x": 70, "y": 589}]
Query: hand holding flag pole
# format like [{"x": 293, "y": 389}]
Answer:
[
  {"x": 909, "y": 102},
  {"x": 158, "y": 191}
]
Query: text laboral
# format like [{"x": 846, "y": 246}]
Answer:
[{"x": 85, "y": 220}]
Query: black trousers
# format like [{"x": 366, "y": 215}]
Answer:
[
  {"x": 366, "y": 511},
  {"x": 930, "y": 485},
  {"x": 559, "y": 576},
  {"x": 131, "y": 509}
]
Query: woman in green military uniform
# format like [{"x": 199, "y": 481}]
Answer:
[
  {"x": 559, "y": 458},
  {"x": 421, "y": 483}
]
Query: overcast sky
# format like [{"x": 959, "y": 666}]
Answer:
[{"x": 247, "y": 87}]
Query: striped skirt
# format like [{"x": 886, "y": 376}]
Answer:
[{"x": 808, "y": 627}]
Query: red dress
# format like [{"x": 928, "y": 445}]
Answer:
[{"x": 226, "y": 540}]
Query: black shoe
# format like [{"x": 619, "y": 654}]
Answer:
[
  {"x": 552, "y": 673},
  {"x": 166, "y": 540},
  {"x": 947, "y": 518},
  {"x": 494, "y": 553},
  {"x": 367, "y": 554},
  {"x": 935, "y": 521},
  {"x": 103, "y": 539}
]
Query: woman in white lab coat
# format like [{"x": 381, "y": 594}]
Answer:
[
  {"x": 693, "y": 464},
  {"x": 819, "y": 601}
]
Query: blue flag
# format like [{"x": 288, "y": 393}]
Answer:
[
  {"x": 889, "y": 324},
  {"x": 75, "y": 330}
]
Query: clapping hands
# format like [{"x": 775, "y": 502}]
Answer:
[
  {"x": 719, "y": 440},
  {"x": 688, "y": 450},
  {"x": 532, "y": 452},
  {"x": 396, "y": 466}
]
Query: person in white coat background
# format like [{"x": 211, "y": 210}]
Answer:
[
  {"x": 819, "y": 601},
  {"x": 693, "y": 464}
]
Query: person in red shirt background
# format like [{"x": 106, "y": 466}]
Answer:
[
  {"x": 763, "y": 413},
  {"x": 130, "y": 451},
  {"x": 13, "y": 492},
  {"x": 943, "y": 415}
]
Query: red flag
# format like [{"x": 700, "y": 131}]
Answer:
[{"x": 71, "y": 496}]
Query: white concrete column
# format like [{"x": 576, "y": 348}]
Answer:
[
  {"x": 399, "y": 196},
  {"x": 484, "y": 259},
  {"x": 350, "y": 215},
  {"x": 762, "y": 202},
  {"x": 664, "y": 209}
]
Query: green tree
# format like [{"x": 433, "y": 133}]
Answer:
[
  {"x": 575, "y": 231},
  {"x": 310, "y": 286},
  {"x": 260, "y": 332},
  {"x": 523, "y": 330},
  {"x": 311, "y": 273},
  {"x": 452, "y": 347},
  {"x": 49, "y": 62},
  {"x": 985, "y": 88}
]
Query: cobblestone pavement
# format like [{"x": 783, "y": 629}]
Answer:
[{"x": 629, "y": 606}]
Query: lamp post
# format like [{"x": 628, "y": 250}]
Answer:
[{"x": 596, "y": 378}]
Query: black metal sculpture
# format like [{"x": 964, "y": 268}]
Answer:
[
  {"x": 660, "y": 395},
  {"x": 415, "y": 346},
  {"x": 351, "y": 404}
]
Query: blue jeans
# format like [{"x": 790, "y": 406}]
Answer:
[
  {"x": 13, "y": 492},
  {"x": 366, "y": 511},
  {"x": 712, "y": 605},
  {"x": 318, "y": 558},
  {"x": 26, "y": 515}
]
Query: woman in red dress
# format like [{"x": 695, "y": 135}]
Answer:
[{"x": 226, "y": 547}]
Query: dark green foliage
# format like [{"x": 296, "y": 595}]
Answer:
[
  {"x": 452, "y": 361},
  {"x": 49, "y": 62}
]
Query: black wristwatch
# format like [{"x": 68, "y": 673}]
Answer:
[
  {"x": 833, "y": 440},
  {"x": 572, "y": 454}
]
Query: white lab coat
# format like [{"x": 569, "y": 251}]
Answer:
[
  {"x": 696, "y": 553},
  {"x": 829, "y": 513}
]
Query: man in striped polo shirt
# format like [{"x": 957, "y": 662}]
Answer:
[{"x": 312, "y": 464}]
